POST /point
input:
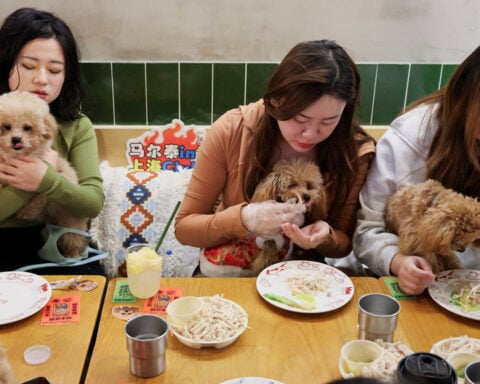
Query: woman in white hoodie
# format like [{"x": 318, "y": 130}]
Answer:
[{"x": 437, "y": 138}]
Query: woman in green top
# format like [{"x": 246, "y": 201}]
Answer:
[{"x": 38, "y": 54}]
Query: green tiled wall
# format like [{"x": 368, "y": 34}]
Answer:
[{"x": 136, "y": 93}]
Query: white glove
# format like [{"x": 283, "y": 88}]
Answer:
[{"x": 267, "y": 217}]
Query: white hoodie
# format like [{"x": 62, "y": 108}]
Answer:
[{"x": 400, "y": 160}]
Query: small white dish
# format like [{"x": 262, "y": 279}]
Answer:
[
  {"x": 37, "y": 354},
  {"x": 359, "y": 353}
]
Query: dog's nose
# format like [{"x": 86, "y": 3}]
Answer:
[
  {"x": 306, "y": 198},
  {"x": 16, "y": 139}
]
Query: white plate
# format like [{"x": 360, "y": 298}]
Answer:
[
  {"x": 21, "y": 295},
  {"x": 447, "y": 282},
  {"x": 274, "y": 280},
  {"x": 251, "y": 380}
]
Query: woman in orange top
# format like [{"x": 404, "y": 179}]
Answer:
[{"x": 307, "y": 111}]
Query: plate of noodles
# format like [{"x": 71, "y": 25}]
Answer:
[
  {"x": 458, "y": 291},
  {"x": 304, "y": 286}
]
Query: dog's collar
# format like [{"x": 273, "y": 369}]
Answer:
[{"x": 433, "y": 199}]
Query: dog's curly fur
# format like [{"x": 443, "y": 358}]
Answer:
[
  {"x": 432, "y": 221},
  {"x": 298, "y": 181},
  {"x": 27, "y": 128}
]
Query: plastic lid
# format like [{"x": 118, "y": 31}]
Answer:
[
  {"x": 425, "y": 368},
  {"x": 37, "y": 354}
]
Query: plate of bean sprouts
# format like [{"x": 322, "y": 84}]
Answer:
[
  {"x": 304, "y": 286},
  {"x": 458, "y": 291},
  {"x": 218, "y": 324}
]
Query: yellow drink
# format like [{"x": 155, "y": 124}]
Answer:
[{"x": 144, "y": 270}]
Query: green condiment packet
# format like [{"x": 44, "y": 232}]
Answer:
[
  {"x": 122, "y": 293},
  {"x": 397, "y": 293}
]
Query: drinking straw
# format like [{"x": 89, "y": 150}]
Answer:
[{"x": 169, "y": 222}]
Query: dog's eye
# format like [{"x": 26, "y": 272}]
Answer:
[
  {"x": 293, "y": 186},
  {"x": 6, "y": 127},
  {"x": 27, "y": 128},
  {"x": 312, "y": 186}
]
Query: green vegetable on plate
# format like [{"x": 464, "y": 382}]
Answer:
[{"x": 308, "y": 305}]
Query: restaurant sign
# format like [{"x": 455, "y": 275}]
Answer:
[{"x": 171, "y": 147}]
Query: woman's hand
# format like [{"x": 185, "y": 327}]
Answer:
[
  {"x": 267, "y": 217},
  {"x": 309, "y": 236},
  {"x": 414, "y": 273},
  {"x": 25, "y": 173}
]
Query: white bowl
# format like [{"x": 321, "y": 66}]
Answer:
[
  {"x": 357, "y": 354},
  {"x": 198, "y": 343}
]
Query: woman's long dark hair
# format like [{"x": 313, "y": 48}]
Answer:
[
  {"x": 309, "y": 71},
  {"x": 26, "y": 24},
  {"x": 454, "y": 154}
]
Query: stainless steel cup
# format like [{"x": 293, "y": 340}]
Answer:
[
  {"x": 377, "y": 316},
  {"x": 146, "y": 344},
  {"x": 472, "y": 373}
]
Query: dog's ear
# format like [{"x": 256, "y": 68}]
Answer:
[
  {"x": 269, "y": 188},
  {"x": 50, "y": 126}
]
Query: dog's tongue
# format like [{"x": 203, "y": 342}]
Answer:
[
  {"x": 308, "y": 204},
  {"x": 18, "y": 146}
]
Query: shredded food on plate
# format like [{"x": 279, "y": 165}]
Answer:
[
  {"x": 384, "y": 368},
  {"x": 218, "y": 320},
  {"x": 456, "y": 344},
  {"x": 307, "y": 284}
]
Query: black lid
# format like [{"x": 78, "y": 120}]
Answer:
[{"x": 425, "y": 368}]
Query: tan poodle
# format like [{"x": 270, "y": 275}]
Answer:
[
  {"x": 432, "y": 221},
  {"x": 292, "y": 182},
  {"x": 27, "y": 128}
]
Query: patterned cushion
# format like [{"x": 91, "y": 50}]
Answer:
[{"x": 137, "y": 207}]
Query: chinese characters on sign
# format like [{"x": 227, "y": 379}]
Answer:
[{"x": 172, "y": 147}]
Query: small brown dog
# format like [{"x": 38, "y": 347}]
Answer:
[
  {"x": 27, "y": 128},
  {"x": 432, "y": 221},
  {"x": 292, "y": 182}
]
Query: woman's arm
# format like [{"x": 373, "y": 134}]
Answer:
[
  {"x": 216, "y": 170},
  {"x": 78, "y": 143}
]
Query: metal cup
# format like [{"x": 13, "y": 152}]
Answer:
[
  {"x": 377, "y": 316},
  {"x": 472, "y": 373},
  {"x": 146, "y": 344}
]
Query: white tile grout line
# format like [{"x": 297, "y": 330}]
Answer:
[
  {"x": 406, "y": 88},
  {"x": 211, "y": 93},
  {"x": 146, "y": 91},
  {"x": 245, "y": 85},
  {"x": 373, "y": 95},
  {"x": 113, "y": 93},
  {"x": 440, "y": 78},
  {"x": 179, "y": 94}
]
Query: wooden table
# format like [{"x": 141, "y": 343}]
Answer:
[
  {"x": 289, "y": 347},
  {"x": 286, "y": 346},
  {"x": 69, "y": 343}
]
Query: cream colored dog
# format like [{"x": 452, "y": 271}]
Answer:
[
  {"x": 27, "y": 128},
  {"x": 290, "y": 182},
  {"x": 432, "y": 221}
]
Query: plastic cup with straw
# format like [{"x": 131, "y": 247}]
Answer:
[{"x": 165, "y": 230}]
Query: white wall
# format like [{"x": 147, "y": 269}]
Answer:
[{"x": 434, "y": 31}]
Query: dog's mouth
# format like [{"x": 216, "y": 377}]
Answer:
[
  {"x": 18, "y": 146},
  {"x": 298, "y": 199}
]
